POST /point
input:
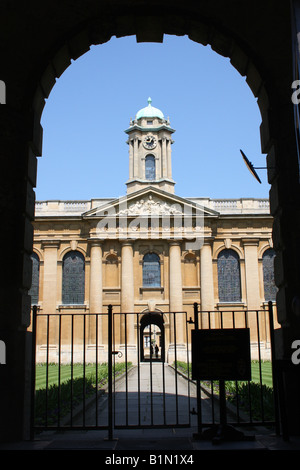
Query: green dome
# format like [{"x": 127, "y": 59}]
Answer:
[{"x": 149, "y": 112}]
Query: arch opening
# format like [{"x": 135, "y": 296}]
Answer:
[
  {"x": 122, "y": 106},
  {"x": 275, "y": 141},
  {"x": 152, "y": 337}
]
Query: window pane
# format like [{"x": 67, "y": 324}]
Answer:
[
  {"x": 151, "y": 270},
  {"x": 34, "y": 290},
  {"x": 229, "y": 279},
  {"x": 270, "y": 288},
  {"x": 73, "y": 278},
  {"x": 150, "y": 167}
]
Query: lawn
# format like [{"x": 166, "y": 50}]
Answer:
[
  {"x": 266, "y": 373},
  {"x": 264, "y": 370},
  {"x": 66, "y": 373},
  {"x": 66, "y": 387},
  {"x": 256, "y": 398}
]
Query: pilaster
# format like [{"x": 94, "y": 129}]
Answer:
[
  {"x": 252, "y": 273},
  {"x": 206, "y": 278},
  {"x": 127, "y": 289},
  {"x": 96, "y": 288},
  {"x": 175, "y": 288},
  {"x": 50, "y": 248}
]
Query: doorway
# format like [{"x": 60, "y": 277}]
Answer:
[{"x": 152, "y": 337}]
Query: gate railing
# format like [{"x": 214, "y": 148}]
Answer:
[
  {"x": 250, "y": 403},
  {"x": 135, "y": 336},
  {"x": 78, "y": 359},
  {"x": 69, "y": 371}
]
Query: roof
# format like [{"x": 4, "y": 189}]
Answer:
[{"x": 149, "y": 112}]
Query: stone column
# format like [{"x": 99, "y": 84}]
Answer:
[
  {"x": 252, "y": 283},
  {"x": 50, "y": 294},
  {"x": 50, "y": 276},
  {"x": 127, "y": 290},
  {"x": 130, "y": 159},
  {"x": 169, "y": 161},
  {"x": 252, "y": 274},
  {"x": 163, "y": 158},
  {"x": 206, "y": 282},
  {"x": 135, "y": 158},
  {"x": 175, "y": 289},
  {"x": 96, "y": 288}
]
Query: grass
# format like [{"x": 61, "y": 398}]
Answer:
[
  {"x": 254, "y": 397},
  {"x": 265, "y": 370},
  {"x": 64, "y": 389},
  {"x": 66, "y": 373}
]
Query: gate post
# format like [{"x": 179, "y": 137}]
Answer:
[
  {"x": 33, "y": 358},
  {"x": 110, "y": 372},
  {"x": 275, "y": 374},
  {"x": 199, "y": 414}
]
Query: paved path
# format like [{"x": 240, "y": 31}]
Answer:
[
  {"x": 157, "y": 399},
  {"x": 157, "y": 407}
]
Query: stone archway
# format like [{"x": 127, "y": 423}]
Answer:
[
  {"x": 152, "y": 333},
  {"x": 256, "y": 38}
]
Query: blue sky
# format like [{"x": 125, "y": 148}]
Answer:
[{"x": 209, "y": 104}]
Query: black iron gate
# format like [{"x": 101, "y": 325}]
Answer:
[
  {"x": 133, "y": 370},
  {"x": 153, "y": 393},
  {"x": 241, "y": 403},
  {"x": 110, "y": 371}
]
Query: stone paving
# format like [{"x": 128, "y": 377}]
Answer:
[
  {"x": 161, "y": 398},
  {"x": 157, "y": 407}
]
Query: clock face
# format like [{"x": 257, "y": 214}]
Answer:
[{"x": 149, "y": 142}]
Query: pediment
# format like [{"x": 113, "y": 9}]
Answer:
[{"x": 149, "y": 202}]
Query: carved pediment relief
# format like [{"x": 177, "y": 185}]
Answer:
[
  {"x": 151, "y": 206},
  {"x": 149, "y": 202}
]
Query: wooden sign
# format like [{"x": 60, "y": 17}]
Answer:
[{"x": 222, "y": 354}]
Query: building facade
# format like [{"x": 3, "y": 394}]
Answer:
[{"x": 151, "y": 251}]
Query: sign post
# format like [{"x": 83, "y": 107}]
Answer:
[{"x": 219, "y": 355}]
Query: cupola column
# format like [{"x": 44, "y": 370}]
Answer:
[
  {"x": 164, "y": 158},
  {"x": 136, "y": 157},
  {"x": 169, "y": 161},
  {"x": 130, "y": 159}
]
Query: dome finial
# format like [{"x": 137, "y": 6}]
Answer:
[{"x": 149, "y": 112}]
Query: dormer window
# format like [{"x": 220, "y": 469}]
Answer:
[{"x": 149, "y": 122}]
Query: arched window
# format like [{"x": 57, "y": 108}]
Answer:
[
  {"x": 150, "y": 167},
  {"x": 73, "y": 278},
  {"x": 34, "y": 290},
  {"x": 151, "y": 270},
  {"x": 268, "y": 270},
  {"x": 229, "y": 279}
]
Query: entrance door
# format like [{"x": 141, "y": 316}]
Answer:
[{"x": 152, "y": 337}]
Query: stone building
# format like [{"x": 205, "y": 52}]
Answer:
[
  {"x": 260, "y": 42},
  {"x": 151, "y": 250}
]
